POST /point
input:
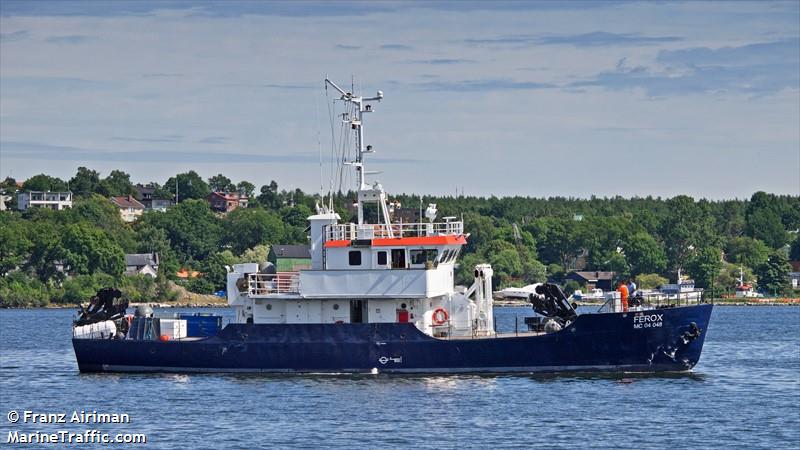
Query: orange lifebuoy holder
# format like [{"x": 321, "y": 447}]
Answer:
[{"x": 439, "y": 316}]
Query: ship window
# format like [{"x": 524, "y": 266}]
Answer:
[
  {"x": 269, "y": 307},
  {"x": 335, "y": 306},
  {"x": 355, "y": 257},
  {"x": 446, "y": 256},
  {"x": 421, "y": 256},
  {"x": 381, "y": 258},
  {"x": 455, "y": 254}
]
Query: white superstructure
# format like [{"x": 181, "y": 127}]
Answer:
[{"x": 363, "y": 272}]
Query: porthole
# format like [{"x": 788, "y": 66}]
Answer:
[
  {"x": 403, "y": 305},
  {"x": 269, "y": 307},
  {"x": 335, "y": 306}
]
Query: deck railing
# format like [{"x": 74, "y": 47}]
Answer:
[
  {"x": 277, "y": 283},
  {"x": 351, "y": 231}
]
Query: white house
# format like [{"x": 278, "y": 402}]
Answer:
[
  {"x": 129, "y": 208},
  {"x": 141, "y": 263},
  {"x": 38, "y": 199}
]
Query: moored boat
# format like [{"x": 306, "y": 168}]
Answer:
[{"x": 380, "y": 297}]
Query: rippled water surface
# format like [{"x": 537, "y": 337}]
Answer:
[{"x": 745, "y": 392}]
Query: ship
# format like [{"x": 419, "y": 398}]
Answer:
[{"x": 380, "y": 297}]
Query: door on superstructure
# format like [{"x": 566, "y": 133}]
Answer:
[
  {"x": 358, "y": 311},
  {"x": 398, "y": 258}
]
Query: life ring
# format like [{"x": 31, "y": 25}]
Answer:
[{"x": 439, "y": 316}]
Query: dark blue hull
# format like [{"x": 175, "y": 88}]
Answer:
[{"x": 594, "y": 342}]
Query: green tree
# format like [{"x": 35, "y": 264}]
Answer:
[
  {"x": 213, "y": 268},
  {"x": 705, "y": 266},
  {"x": 685, "y": 227},
  {"x": 117, "y": 184},
  {"x": 645, "y": 254},
  {"x": 221, "y": 183},
  {"x": 650, "y": 280},
  {"x": 192, "y": 229},
  {"x": 190, "y": 186},
  {"x": 269, "y": 197},
  {"x": 773, "y": 275},
  {"x": 794, "y": 250},
  {"x": 246, "y": 228},
  {"x": 86, "y": 250},
  {"x": 15, "y": 246},
  {"x": 764, "y": 219},
  {"x": 85, "y": 182},
  {"x": 18, "y": 289},
  {"x": 246, "y": 188},
  {"x": 44, "y": 182},
  {"x": 747, "y": 251}
]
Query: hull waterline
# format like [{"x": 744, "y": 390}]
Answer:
[{"x": 662, "y": 340}]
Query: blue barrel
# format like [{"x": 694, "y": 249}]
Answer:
[{"x": 201, "y": 324}]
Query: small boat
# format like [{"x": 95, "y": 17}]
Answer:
[{"x": 380, "y": 297}]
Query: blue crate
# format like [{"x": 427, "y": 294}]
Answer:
[{"x": 201, "y": 324}]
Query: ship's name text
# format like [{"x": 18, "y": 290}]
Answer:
[{"x": 648, "y": 320}]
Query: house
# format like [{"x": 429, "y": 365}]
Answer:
[
  {"x": 290, "y": 258},
  {"x": 226, "y": 201},
  {"x": 146, "y": 195},
  {"x": 38, "y": 199},
  {"x": 129, "y": 208},
  {"x": 794, "y": 278},
  {"x": 592, "y": 280},
  {"x": 141, "y": 263}
]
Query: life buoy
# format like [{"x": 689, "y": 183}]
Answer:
[{"x": 439, "y": 316}]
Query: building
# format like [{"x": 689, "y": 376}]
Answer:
[
  {"x": 141, "y": 263},
  {"x": 290, "y": 258},
  {"x": 145, "y": 193},
  {"x": 593, "y": 280},
  {"x": 129, "y": 208},
  {"x": 38, "y": 199},
  {"x": 226, "y": 201},
  {"x": 794, "y": 278}
]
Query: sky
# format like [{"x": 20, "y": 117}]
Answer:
[{"x": 486, "y": 98}]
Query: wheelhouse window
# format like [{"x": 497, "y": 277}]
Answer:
[
  {"x": 423, "y": 256},
  {"x": 354, "y": 257},
  {"x": 381, "y": 258}
]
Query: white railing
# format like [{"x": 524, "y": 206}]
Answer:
[
  {"x": 351, "y": 231},
  {"x": 278, "y": 283}
]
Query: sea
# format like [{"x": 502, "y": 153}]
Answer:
[{"x": 744, "y": 393}]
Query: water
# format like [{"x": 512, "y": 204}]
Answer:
[{"x": 744, "y": 393}]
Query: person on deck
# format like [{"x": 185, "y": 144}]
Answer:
[
  {"x": 623, "y": 294},
  {"x": 631, "y": 288}
]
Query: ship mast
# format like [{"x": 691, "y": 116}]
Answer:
[{"x": 366, "y": 193}]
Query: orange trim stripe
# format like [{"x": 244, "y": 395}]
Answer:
[{"x": 343, "y": 243}]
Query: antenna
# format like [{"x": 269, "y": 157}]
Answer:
[{"x": 356, "y": 121}]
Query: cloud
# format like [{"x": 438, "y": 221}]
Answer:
[
  {"x": 593, "y": 39},
  {"x": 214, "y": 140},
  {"x": 239, "y": 8},
  {"x": 14, "y": 36},
  {"x": 166, "y": 138},
  {"x": 34, "y": 151},
  {"x": 482, "y": 85},
  {"x": 272, "y": 85},
  {"x": 759, "y": 69},
  {"x": 70, "y": 39},
  {"x": 442, "y": 61},
  {"x": 52, "y": 84},
  {"x": 777, "y": 52},
  {"x": 162, "y": 75},
  {"x": 396, "y": 47}
]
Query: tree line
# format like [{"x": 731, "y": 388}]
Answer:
[{"x": 64, "y": 256}]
